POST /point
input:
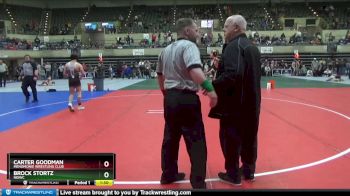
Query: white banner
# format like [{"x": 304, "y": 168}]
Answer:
[
  {"x": 146, "y": 36},
  {"x": 138, "y": 52},
  {"x": 46, "y": 39},
  {"x": 266, "y": 50}
]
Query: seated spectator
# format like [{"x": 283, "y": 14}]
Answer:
[
  {"x": 48, "y": 82},
  {"x": 328, "y": 72},
  {"x": 268, "y": 70},
  {"x": 309, "y": 73}
]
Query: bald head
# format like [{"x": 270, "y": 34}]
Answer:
[{"x": 234, "y": 26}]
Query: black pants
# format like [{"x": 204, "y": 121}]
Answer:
[
  {"x": 183, "y": 116},
  {"x": 238, "y": 139},
  {"x": 3, "y": 78},
  {"x": 29, "y": 81},
  {"x": 48, "y": 74}
]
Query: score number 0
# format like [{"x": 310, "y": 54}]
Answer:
[{"x": 106, "y": 164}]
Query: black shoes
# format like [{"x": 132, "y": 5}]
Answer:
[
  {"x": 247, "y": 175},
  {"x": 181, "y": 176},
  {"x": 199, "y": 186},
  {"x": 34, "y": 100},
  {"x": 236, "y": 181},
  {"x": 177, "y": 177},
  {"x": 250, "y": 177}
]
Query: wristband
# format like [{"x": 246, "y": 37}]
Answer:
[{"x": 206, "y": 85}]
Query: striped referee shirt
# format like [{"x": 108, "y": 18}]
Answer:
[
  {"x": 28, "y": 69},
  {"x": 174, "y": 63}
]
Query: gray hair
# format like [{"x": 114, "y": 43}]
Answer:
[{"x": 238, "y": 20}]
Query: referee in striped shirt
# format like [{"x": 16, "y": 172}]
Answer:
[{"x": 180, "y": 76}]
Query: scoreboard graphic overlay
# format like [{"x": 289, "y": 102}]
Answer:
[{"x": 61, "y": 169}]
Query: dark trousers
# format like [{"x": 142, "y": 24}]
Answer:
[
  {"x": 238, "y": 139},
  {"x": 48, "y": 74},
  {"x": 183, "y": 116},
  {"x": 3, "y": 78},
  {"x": 29, "y": 81}
]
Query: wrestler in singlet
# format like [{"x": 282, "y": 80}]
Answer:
[{"x": 73, "y": 71}]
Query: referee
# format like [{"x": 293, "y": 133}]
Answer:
[
  {"x": 30, "y": 76},
  {"x": 179, "y": 76}
]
